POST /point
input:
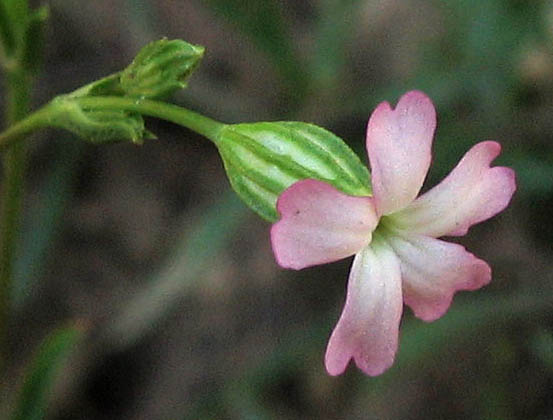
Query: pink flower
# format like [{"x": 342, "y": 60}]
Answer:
[{"x": 393, "y": 233}]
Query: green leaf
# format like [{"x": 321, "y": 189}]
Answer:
[
  {"x": 542, "y": 347},
  {"x": 264, "y": 24},
  {"x": 263, "y": 159},
  {"x": 42, "y": 222},
  {"x": 335, "y": 26},
  {"x": 18, "y": 10},
  {"x": 204, "y": 237},
  {"x": 41, "y": 373}
]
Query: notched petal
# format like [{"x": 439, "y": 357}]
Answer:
[
  {"x": 320, "y": 224},
  {"x": 368, "y": 329},
  {"x": 399, "y": 143},
  {"x": 470, "y": 194},
  {"x": 433, "y": 271}
]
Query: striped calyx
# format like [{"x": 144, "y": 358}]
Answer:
[
  {"x": 104, "y": 126},
  {"x": 160, "y": 68},
  {"x": 263, "y": 159}
]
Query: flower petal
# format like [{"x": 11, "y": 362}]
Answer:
[
  {"x": 320, "y": 224},
  {"x": 369, "y": 325},
  {"x": 471, "y": 193},
  {"x": 433, "y": 270},
  {"x": 399, "y": 145}
]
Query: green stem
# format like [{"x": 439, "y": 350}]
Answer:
[
  {"x": 14, "y": 163},
  {"x": 198, "y": 123},
  {"x": 23, "y": 127},
  {"x": 192, "y": 120}
]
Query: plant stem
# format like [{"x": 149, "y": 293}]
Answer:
[
  {"x": 14, "y": 163},
  {"x": 41, "y": 118},
  {"x": 20, "y": 128},
  {"x": 192, "y": 120}
]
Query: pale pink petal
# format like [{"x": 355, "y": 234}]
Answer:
[
  {"x": 471, "y": 193},
  {"x": 433, "y": 270},
  {"x": 399, "y": 145},
  {"x": 320, "y": 224},
  {"x": 369, "y": 325}
]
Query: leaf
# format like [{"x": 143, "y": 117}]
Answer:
[
  {"x": 202, "y": 241},
  {"x": 335, "y": 25},
  {"x": 42, "y": 221},
  {"x": 264, "y": 24},
  {"x": 42, "y": 372}
]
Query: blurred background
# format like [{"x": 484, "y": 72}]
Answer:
[{"x": 187, "y": 315}]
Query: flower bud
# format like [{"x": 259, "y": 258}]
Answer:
[
  {"x": 263, "y": 159},
  {"x": 160, "y": 68},
  {"x": 98, "y": 126}
]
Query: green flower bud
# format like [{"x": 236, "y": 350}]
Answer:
[
  {"x": 160, "y": 68},
  {"x": 98, "y": 126},
  {"x": 263, "y": 159}
]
